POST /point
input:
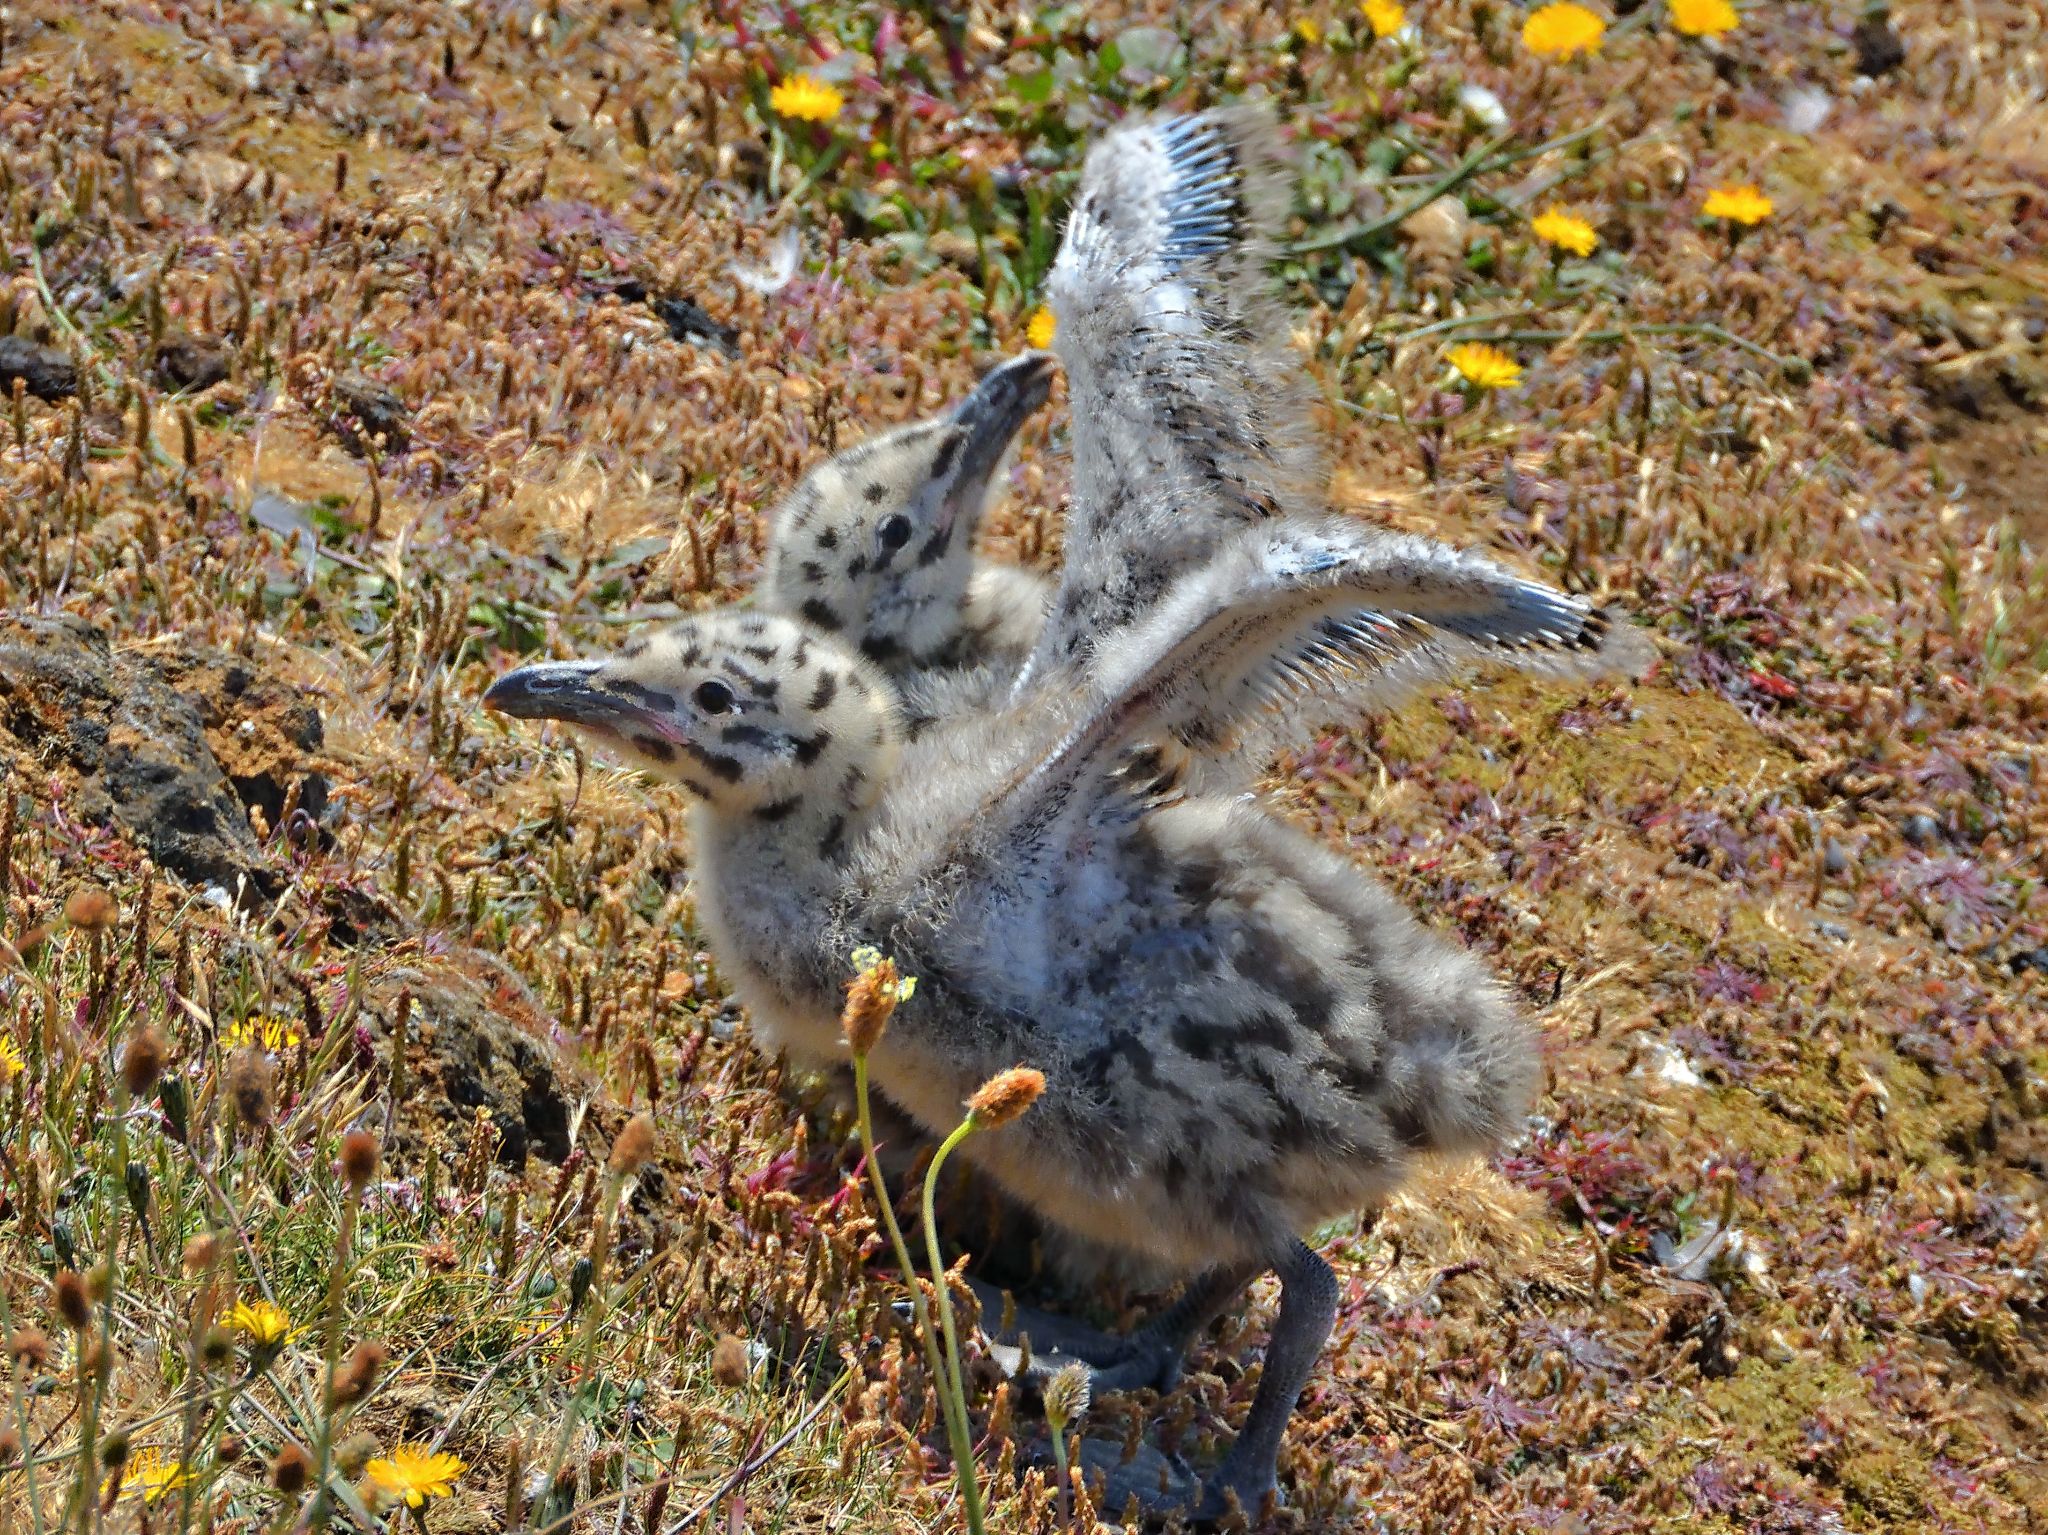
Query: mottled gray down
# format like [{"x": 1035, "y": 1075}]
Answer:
[{"x": 1242, "y": 1035}]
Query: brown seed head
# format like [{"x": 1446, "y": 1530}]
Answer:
[
  {"x": 217, "y": 1345},
  {"x": 635, "y": 1146},
  {"x": 870, "y": 1003},
  {"x": 358, "y": 1373},
  {"x": 729, "y": 1363},
  {"x": 29, "y": 1347},
  {"x": 72, "y": 1302},
  {"x": 252, "y": 1080},
  {"x": 229, "y": 1448},
  {"x": 359, "y": 1152},
  {"x": 114, "y": 1449},
  {"x": 90, "y": 908},
  {"x": 289, "y": 1470},
  {"x": 1004, "y": 1097},
  {"x": 143, "y": 1061},
  {"x": 10, "y": 1445},
  {"x": 201, "y": 1253}
]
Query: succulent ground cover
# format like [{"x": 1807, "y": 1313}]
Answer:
[{"x": 349, "y": 353}]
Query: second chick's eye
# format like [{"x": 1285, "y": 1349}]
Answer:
[
  {"x": 713, "y": 698},
  {"x": 894, "y": 531}
]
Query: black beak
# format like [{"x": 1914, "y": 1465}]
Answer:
[
  {"x": 559, "y": 690},
  {"x": 991, "y": 417}
]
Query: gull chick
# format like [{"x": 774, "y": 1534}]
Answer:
[{"x": 1242, "y": 1034}]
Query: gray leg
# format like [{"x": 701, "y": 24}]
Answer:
[{"x": 1308, "y": 1309}]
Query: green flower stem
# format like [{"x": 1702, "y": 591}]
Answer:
[
  {"x": 955, "y": 1385},
  {"x": 935, "y": 1364}
]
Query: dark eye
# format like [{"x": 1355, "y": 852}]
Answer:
[
  {"x": 713, "y": 697},
  {"x": 894, "y": 532}
]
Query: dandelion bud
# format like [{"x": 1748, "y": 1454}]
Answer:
[
  {"x": 253, "y": 1083},
  {"x": 114, "y": 1450},
  {"x": 29, "y": 1347},
  {"x": 1066, "y": 1397},
  {"x": 177, "y": 1106},
  {"x": 90, "y": 908},
  {"x": 72, "y": 1302},
  {"x": 143, "y": 1061},
  {"x": 358, "y": 1373},
  {"x": 289, "y": 1470},
  {"x": 201, "y": 1253},
  {"x": 635, "y": 1146},
  {"x": 353, "y": 1453},
  {"x": 1004, "y": 1097},
  {"x": 359, "y": 1153},
  {"x": 138, "y": 1189},
  {"x": 579, "y": 1283},
  {"x": 871, "y": 1000}
]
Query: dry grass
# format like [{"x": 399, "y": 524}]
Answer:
[{"x": 1781, "y": 903}]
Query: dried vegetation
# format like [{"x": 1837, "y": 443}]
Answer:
[{"x": 355, "y": 350}]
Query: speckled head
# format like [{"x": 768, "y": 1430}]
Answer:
[
  {"x": 753, "y": 713},
  {"x": 876, "y": 545}
]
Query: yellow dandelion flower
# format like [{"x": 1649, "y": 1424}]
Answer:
[
  {"x": 148, "y": 1473},
  {"x": 1562, "y": 29},
  {"x": 1704, "y": 18},
  {"x": 1485, "y": 367},
  {"x": 1309, "y": 30},
  {"x": 1383, "y": 16},
  {"x": 1738, "y": 204},
  {"x": 1039, "y": 331},
  {"x": 270, "y": 1031},
  {"x": 807, "y": 98},
  {"x": 414, "y": 1473},
  {"x": 1566, "y": 230},
  {"x": 264, "y": 1324},
  {"x": 11, "y": 1063}
]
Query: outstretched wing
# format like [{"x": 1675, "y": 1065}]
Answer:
[
  {"x": 1295, "y": 617},
  {"x": 1190, "y": 413}
]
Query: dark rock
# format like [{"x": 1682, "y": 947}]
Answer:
[
  {"x": 1921, "y": 830},
  {"x": 45, "y": 372},
  {"x": 374, "y": 415},
  {"x": 192, "y": 363},
  {"x": 687, "y": 322},
  {"x": 1878, "y": 49},
  {"x": 145, "y": 737},
  {"x": 478, "y": 1040}
]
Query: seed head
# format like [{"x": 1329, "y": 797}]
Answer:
[
  {"x": 289, "y": 1470},
  {"x": 1066, "y": 1397},
  {"x": 358, "y": 1373},
  {"x": 143, "y": 1061},
  {"x": 872, "y": 999},
  {"x": 29, "y": 1347},
  {"x": 729, "y": 1363},
  {"x": 114, "y": 1450},
  {"x": 72, "y": 1302},
  {"x": 10, "y": 1445},
  {"x": 359, "y": 1153},
  {"x": 90, "y": 908},
  {"x": 634, "y": 1147},
  {"x": 1004, "y": 1097},
  {"x": 253, "y": 1082},
  {"x": 201, "y": 1253}
]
